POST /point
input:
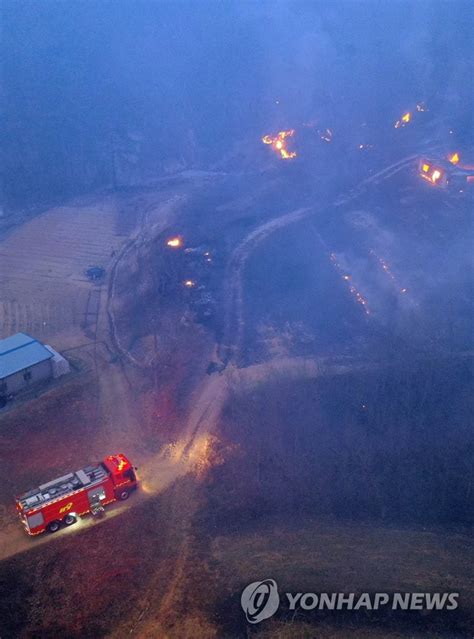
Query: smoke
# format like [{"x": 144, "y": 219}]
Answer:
[
  {"x": 81, "y": 78},
  {"x": 364, "y": 60}
]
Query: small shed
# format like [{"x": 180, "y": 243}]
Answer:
[{"x": 24, "y": 362}]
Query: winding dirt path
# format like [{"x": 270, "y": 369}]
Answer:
[
  {"x": 234, "y": 322},
  {"x": 190, "y": 451},
  {"x": 156, "y": 217},
  {"x": 229, "y": 348}
]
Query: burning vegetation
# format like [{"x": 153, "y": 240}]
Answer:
[
  {"x": 356, "y": 294},
  {"x": 408, "y": 116},
  {"x": 454, "y": 158},
  {"x": 175, "y": 242},
  {"x": 403, "y": 121},
  {"x": 388, "y": 272},
  {"x": 278, "y": 143}
]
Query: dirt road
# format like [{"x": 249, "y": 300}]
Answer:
[{"x": 188, "y": 454}]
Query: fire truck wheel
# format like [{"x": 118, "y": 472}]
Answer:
[
  {"x": 123, "y": 495},
  {"x": 69, "y": 520},
  {"x": 54, "y": 526}
]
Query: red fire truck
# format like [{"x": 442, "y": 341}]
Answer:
[{"x": 63, "y": 500}]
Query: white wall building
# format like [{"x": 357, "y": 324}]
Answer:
[{"x": 24, "y": 362}]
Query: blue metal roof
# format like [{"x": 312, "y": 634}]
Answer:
[{"x": 20, "y": 351}]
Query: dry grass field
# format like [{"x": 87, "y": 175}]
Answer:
[{"x": 43, "y": 287}]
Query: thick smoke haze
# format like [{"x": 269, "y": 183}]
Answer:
[
  {"x": 236, "y": 251},
  {"x": 92, "y": 87}
]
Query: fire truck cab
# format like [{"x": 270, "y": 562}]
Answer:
[{"x": 88, "y": 490}]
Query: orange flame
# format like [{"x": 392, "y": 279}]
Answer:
[
  {"x": 174, "y": 242},
  {"x": 387, "y": 270},
  {"x": 405, "y": 119},
  {"x": 278, "y": 143},
  {"x": 352, "y": 289},
  {"x": 454, "y": 158}
]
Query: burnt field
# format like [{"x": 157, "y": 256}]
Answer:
[
  {"x": 248, "y": 228},
  {"x": 312, "y": 427},
  {"x": 372, "y": 469},
  {"x": 392, "y": 444},
  {"x": 383, "y": 276},
  {"x": 374, "y": 437}
]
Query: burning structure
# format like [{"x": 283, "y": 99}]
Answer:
[{"x": 446, "y": 173}]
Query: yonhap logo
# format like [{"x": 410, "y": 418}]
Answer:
[{"x": 260, "y": 600}]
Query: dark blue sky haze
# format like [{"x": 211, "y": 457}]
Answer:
[{"x": 188, "y": 78}]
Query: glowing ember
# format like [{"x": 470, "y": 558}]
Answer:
[
  {"x": 454, "y": 158},
  {"x": 387, "y": 270},
  {"x": 435, "y": 176},
  {"x": 326, "y": 135},
  {"x": 405, "y": 119},
  {"x": 189, "y": 283},
  {"x": 359, "y": 298},
  {"x": 278, "y": 143},
  {"x": 174, "y": 242},
  {"x": 353, "y": 290}
]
